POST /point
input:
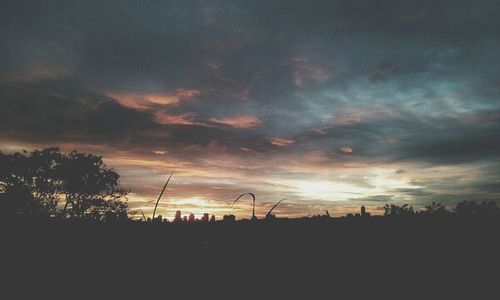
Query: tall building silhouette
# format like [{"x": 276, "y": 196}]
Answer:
[
  {"x": 363, "y": 212},
  {"x": 205, "y": 217},
  {"x": 178, "y": 216},
  {"x": 191, "y": 217}
]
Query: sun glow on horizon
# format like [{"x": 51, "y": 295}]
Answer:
[{"x": 329, "y": 190}]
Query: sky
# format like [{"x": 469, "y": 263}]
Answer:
[{"x": 330, "y": 104}]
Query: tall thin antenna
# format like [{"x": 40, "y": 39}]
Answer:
[{"x": 161, "y": 194}]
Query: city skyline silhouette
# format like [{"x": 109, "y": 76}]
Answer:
[{"x": 249, "y": 148}]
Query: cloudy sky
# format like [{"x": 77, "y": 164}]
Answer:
[{"x": 331, "y": 104}]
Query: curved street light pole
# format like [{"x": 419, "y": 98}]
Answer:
[{"x": 161, "y": 194}]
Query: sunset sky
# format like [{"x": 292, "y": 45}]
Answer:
[{"x": 330, "y": 104}]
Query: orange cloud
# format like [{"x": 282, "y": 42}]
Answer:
[
  {"x": 147, "y": 101},
  {"x": 154, "y": 102},
  {"x": 180, "y": 119},
  {"x": 245, "y": 121},
  {"x": 278, "y": 141}
]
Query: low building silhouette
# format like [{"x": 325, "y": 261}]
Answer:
[{"x": 229, "y": 218}]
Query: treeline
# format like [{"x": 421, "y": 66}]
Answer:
[
  {"x": 462, "y": 209},
  {"x": 49, "y": 183}
]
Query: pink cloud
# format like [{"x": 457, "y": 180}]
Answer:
[
  {"x": 306, "y": 73},
  {"x": 244, "y": 121},
  {"x": 165, "y": 118},
  {"x": 148, "y": 101},
  {"x": 282, "y": 142},
  {"x": 346, "y": 149},
  {"x": 159, "y": 152}
]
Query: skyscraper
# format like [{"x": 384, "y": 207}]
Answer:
[
  {"x": 363, "y": 212},
  {"x": 178, "y": 216}
]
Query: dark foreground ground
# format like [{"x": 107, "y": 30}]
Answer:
[{"x": 384, "y": 256}]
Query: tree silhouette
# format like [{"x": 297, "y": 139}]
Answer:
[
  {"x": 51, "y": 183},
  {"x": 435, "y": 209},
  {"x": 88, "y": 186},
  {"x": 395, "y": 210},
  {"x": 471, "y": 208},
  {"x": 27, "y": 183}
]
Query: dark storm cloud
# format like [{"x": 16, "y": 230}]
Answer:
[
  {"x": 293, "y": 61},
  {"x": 462, "y": 138},
  {"x": 60, "y": 111},
  {"x": 415, "y": 192},
  {"x": 460, "y": 141}
]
